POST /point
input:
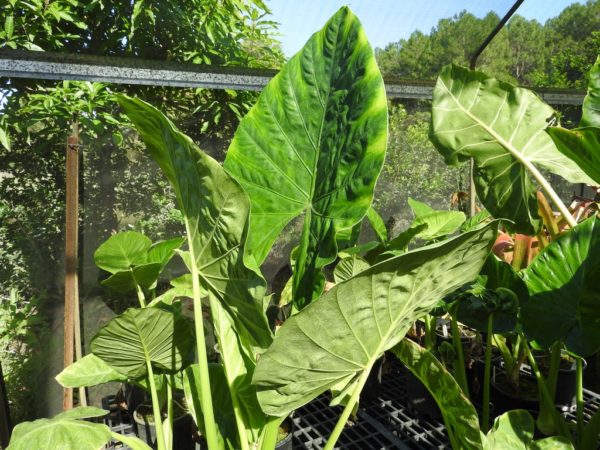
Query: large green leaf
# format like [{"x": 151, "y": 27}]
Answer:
[
  {"x": 502, "y": 127},
  {"x": 137, "y": 335},
  {"x": 582, "y": 145},
  {"x": 122, "y": 251},
  {"x": 459, "y": 413},
  {"x": 564, "y": 298},
  {"x": 62, "y": 432},
  {"x": 591, "y": 104},
  {"x": 338, "y": 338},
  {"x": 437, "y": 223},
  {"x": 514, "y": 430},
  {"x": 313, "y": 146},
  {"x": 88, "y": 371},
  {"x": 215, "y": 210}
]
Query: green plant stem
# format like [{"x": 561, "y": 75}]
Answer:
[
  {"x": 485, "y": 425},
  {"x": 270, "y": 432},
  {"x": 140, "y": 295},
  {"x": 170, "y": 417},
  {"x": 459, "y": 366},
  {"x": 559, "y": 424},
  {"x": 554, "y": 366},
  {"x": 210, "y": 428},
  {"x": 160, "y": 437},
  {"x": 579, "y": 398},
  {"x": 239, "y": 421},
  {"x": 430, "y": 323},
  {"x": 341, "y": 423}
]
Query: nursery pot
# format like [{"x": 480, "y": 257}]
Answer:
[
  {"x": 285, "y": 443},
  {"x": 504, "y": 397},
  {"x": 566, "y": 383},
  {"x": 143, "y": 418}
]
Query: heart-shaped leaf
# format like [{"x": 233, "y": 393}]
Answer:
[
  {"x": 88, "y": 371},
  {"x": 144, "y": 275},
  {"x": 514, "y": 430},
  {"x": 313, "y": 146},
  {"x": 129, "y": 340},
  {"x": 339, "y": 337},
  {"x": 62, "y": 432},
  {"x": 502, "y": 127},
  {"x": 122, "y": 251},
  {"x": 564, "y": 301}
]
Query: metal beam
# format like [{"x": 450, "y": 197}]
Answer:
[{"x": 110, "y": 69}]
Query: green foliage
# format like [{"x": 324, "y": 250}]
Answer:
[
  {"x": 67, "y": 430},
  {"x": 88, "y": 371},
  {"x": 564, "y": 297},
  {"x": 140, "y": 335},
  {"x": 501, "y": 127},
  {"x": 372, "y": 312},
  {"x": 582, "y": 145},
  {"x": 514, "y": 430},
  {"x": 558, "y": 53},
  {"x": 133, "y": 261},
  {"x": 313, "y": 146}
]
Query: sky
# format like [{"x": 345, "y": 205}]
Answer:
[{"x": 388, "y": 21}]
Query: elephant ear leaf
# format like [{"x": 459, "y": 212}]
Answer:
[
  {"x": 63, "y": 431},
  {"x": 88, "y": 371},
  {"x": 337, "y": 339},
  {"x": 215, "y": 210},
  {"x": 514, "y": 429},
  {"x": 502, "y": 127},
  {"x": 564, "y": 302},
  {"x": 582, "y": 145},
  {"x": 129, "y": 340},
  {"x": 591, "y": 104},
  {"x": 313, "y": 146}
]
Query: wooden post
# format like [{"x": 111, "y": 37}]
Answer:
[
  {"x": 5, "y": 423},
  {"x": 71, "y": 263}
]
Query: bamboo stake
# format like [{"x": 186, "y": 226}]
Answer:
[{"x": 72, "y": 329}]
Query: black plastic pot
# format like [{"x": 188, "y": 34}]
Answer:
[
  {"x": 146, "y": 430},
  {"x": 505, "y": 399},
  {"x": 566, "y": 384},
  {"x": 286, "y": 443}
]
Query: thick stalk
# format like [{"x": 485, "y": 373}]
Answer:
[
  {"x": 579, "y": 398},
  {"x": 341, "y": 423},
  {"x": 554, "y": 366},
  {"x": 210, "y": 428},
  {"x": 140, "y": 295},
  {"x": 430, "y": 323},
  {"x": 160, "y": 437},
  {"x": 459, "y": 366},
  {"x": 169, "y": 435},
  {"x": 270, "y": 431},
  {"x": 485, "y": 420},
  {"x": 559, "y": 424},
  {"x": 546, "y": 187}
]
